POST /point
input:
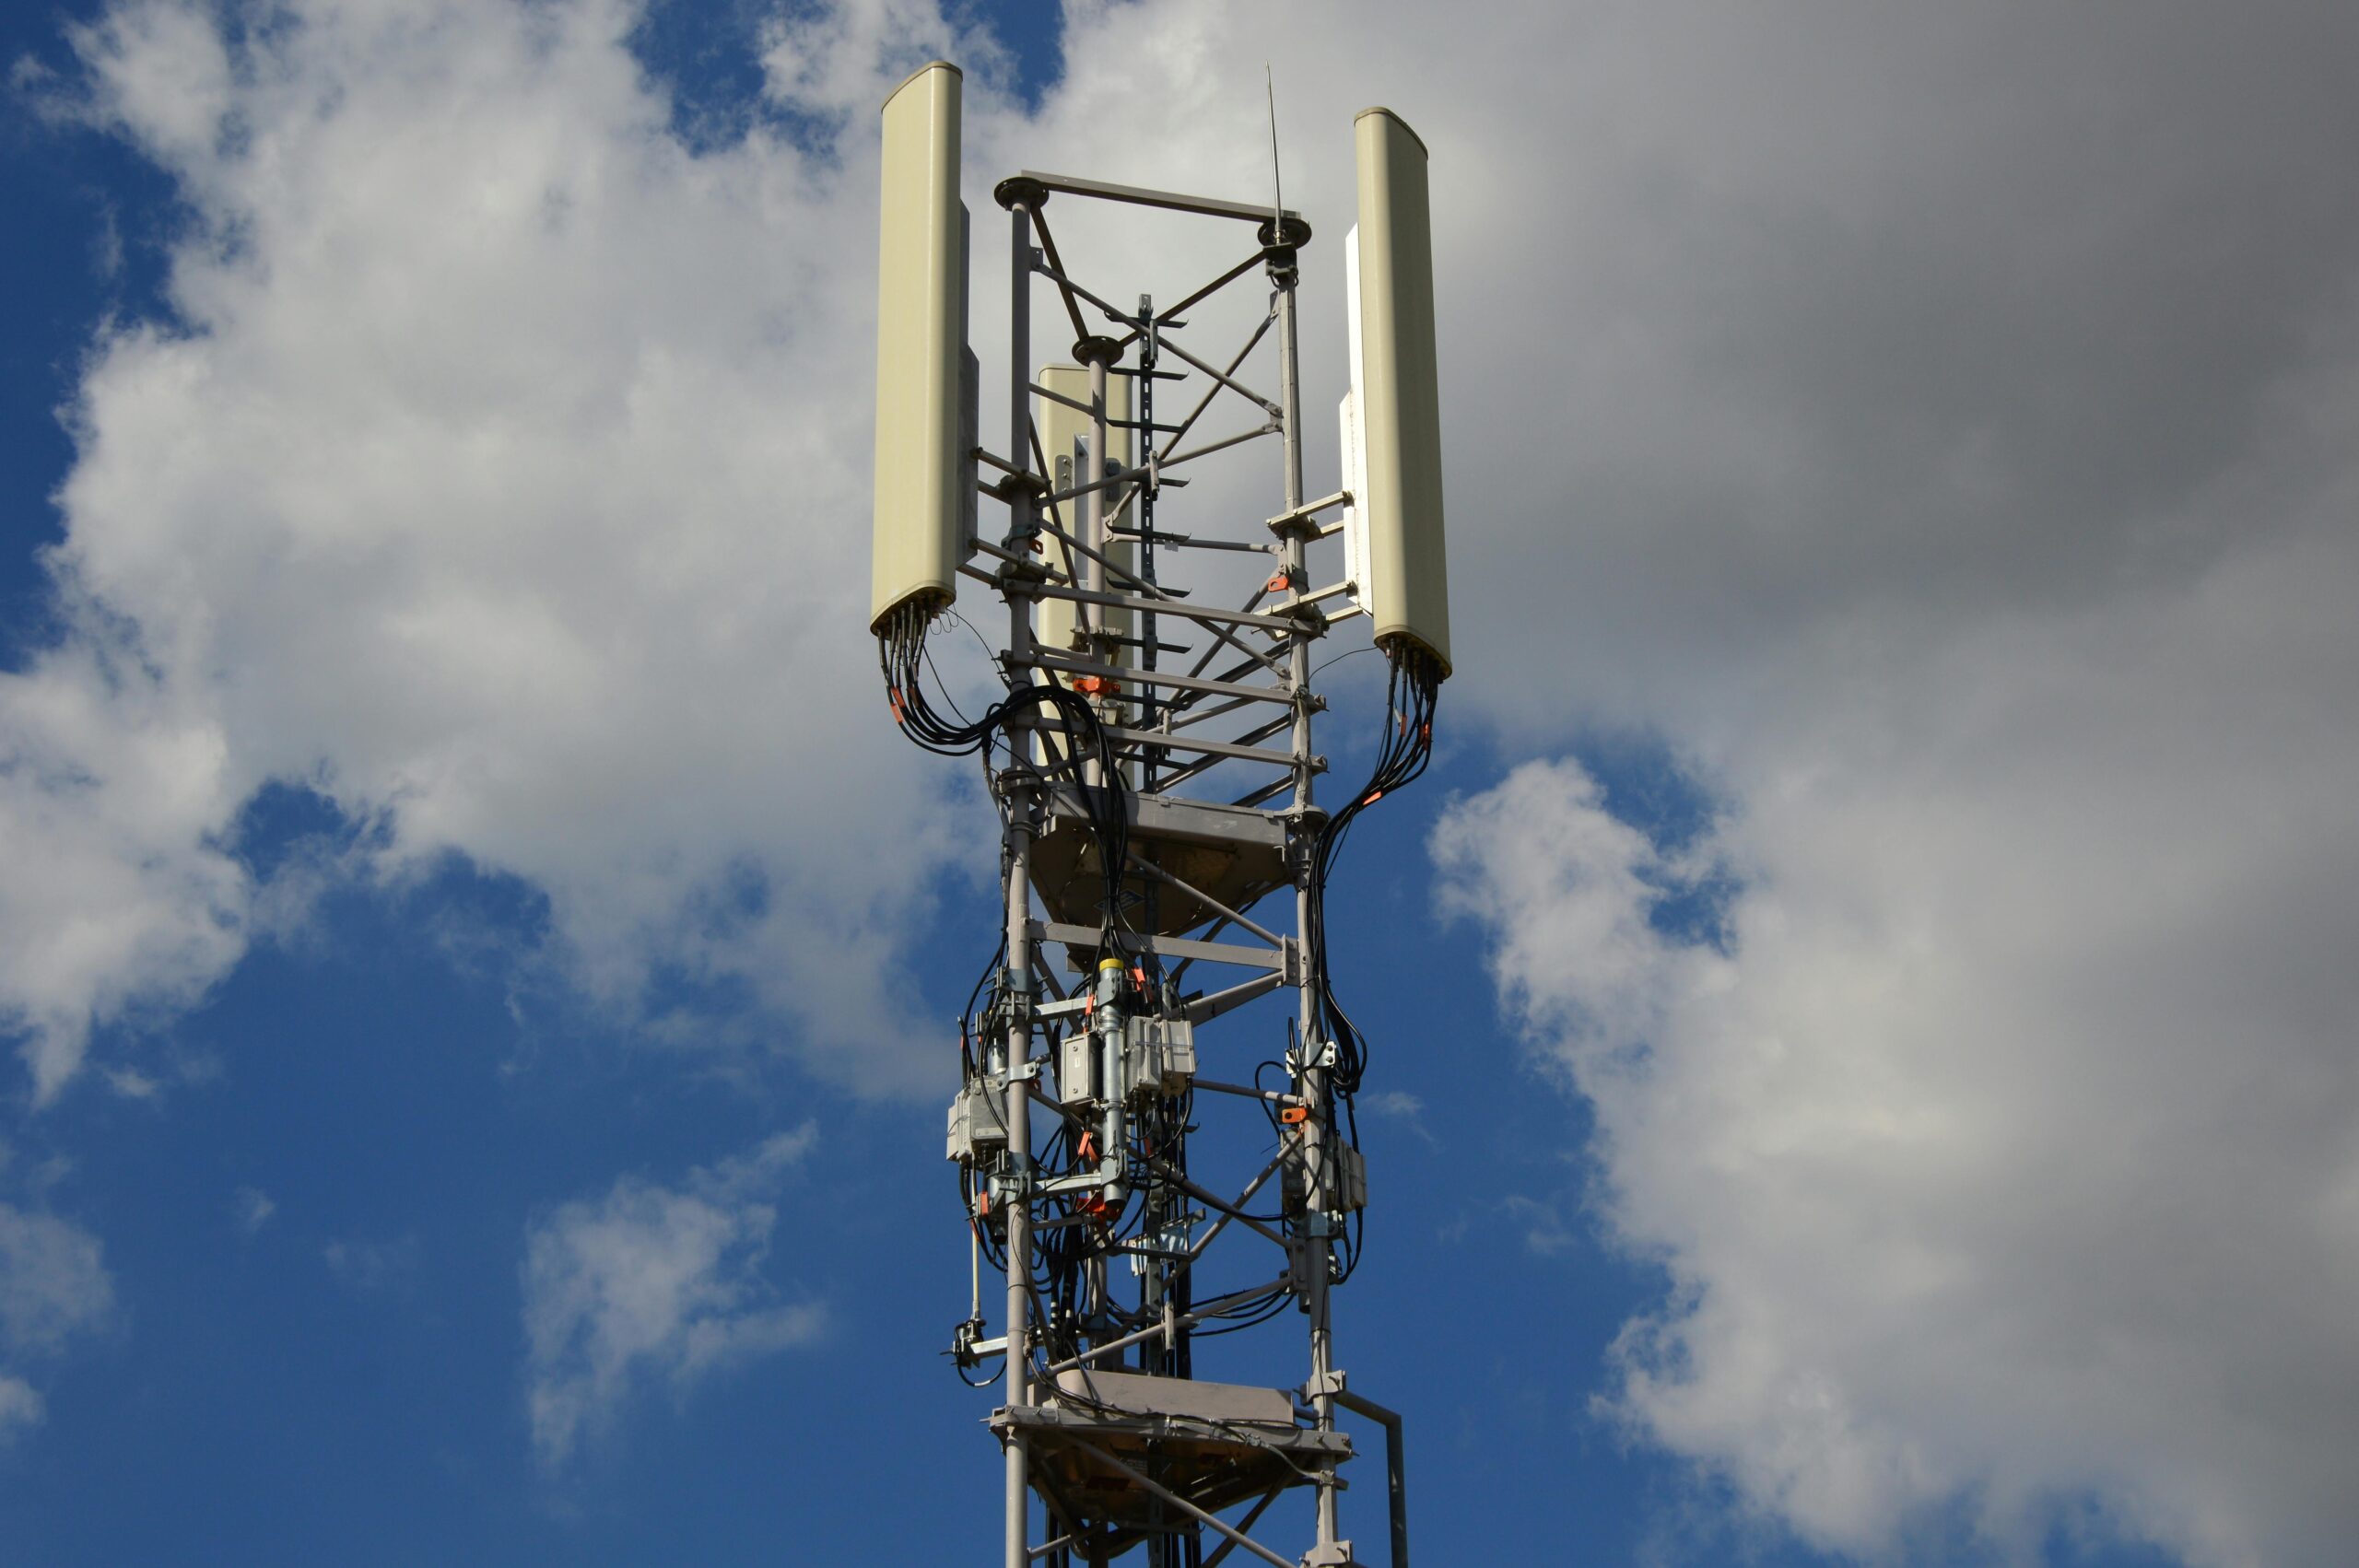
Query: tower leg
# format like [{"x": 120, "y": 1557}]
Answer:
[
  {"x": 1019, "y": 948},
  {"x": 1019, "y": 1203}
]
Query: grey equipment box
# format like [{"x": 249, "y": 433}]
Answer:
[
  {"x": 977, "y": 1123},
  {"x": 1161, "y": 1055}
]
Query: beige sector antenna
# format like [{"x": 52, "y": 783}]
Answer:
[
  {"x": 1064, "y": 436},
  {"x": 1065, "y": 442},
  {"x": 921, "y": 349},
  {"x": 1397, "y": 393}
]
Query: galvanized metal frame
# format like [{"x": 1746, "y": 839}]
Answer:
[{"x": 1031, "y": 1423}]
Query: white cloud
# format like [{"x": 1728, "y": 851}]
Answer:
[
  {"x": 21, "y": 1406},
  {"x": 2007, "y": 1151},
  {"x": 369, "y": 1268},
  {"x": 251, "y": 1208},
  {"x": 1936, "y": 439},
  {"x": 53, "y": 1287},
  {"x": 652, "y": 1286},
  {"x": 1932, "y": 427},
  {"x": 503, "y": 477}
]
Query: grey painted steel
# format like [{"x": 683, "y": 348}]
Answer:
[
  {"x": 1253, "y": 1517},
  {"x": 1172, "y": 947},
  {"x": 1214, "y": 1520},
  {"x": 1151, "y": 590},
  {"x": 1214, "y": 905},
  {"x": 1396, "y": 1474},
  {"x": 1171, "y": 201},
  {"x": 1115, "y": 1347},
  {"x": 1019, "y": 1141},
  {"x": 1063, "y": 1436},
  {"x": 1160, "y": 678},
  {"x": 1283, "y": 623},
  {"x": 1314, "y": 1069},
  {"x": 1015, "y": 1055}
]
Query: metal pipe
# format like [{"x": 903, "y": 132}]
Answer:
[
  {"x": 1239, "y": 1536},
  {"x": 1019, "y": 1200},
  {"x": 1205, "y": 658},
  {"x": 1252, "y": 1515},
  {"x": 1209, "y": 902},
  {"x": 1093, "y": 527},
  {"x": 1204, "y": 1009},
  {"x": 1240, "y": 388},
  {"x": 1126, "y": 479},
  {"x": 1191, "y": 542},
  {"x": 1019, "y": 931},
  {"x": 1218, "y": 709},
  {"x": 1244, "y": 957},
  {"x": 1273, "y": 1095},
  {"x": 1314, "y": 1070},
  {"x": 1214, "y": 391},
  {"x": 1224, "y": 751},
  {"x": 1230, "y": 1212},
  {"x": 1202, "y": 1196},
  {"x": 1396, "y": 1475},
  {"x": 1191, "y": 1318},
  {"x": 1072, "y": 666},
  {"x": 1020, "y": 331},
  {"x": 1169, "y": 316},
  {"x": 1073, "y": 403},
  {"x": 1222, "y": 445},
  {"x": 1113, "y": 312},
  {"x": 1056, "y": 269},
  {"x": 1168, "y": 606},
  {"x": 1277, "y": 786},
  {"x": 1309, "y": 509},
  {"x": 1171, "y": 201},
  {"x": 1153, "y": 592}
]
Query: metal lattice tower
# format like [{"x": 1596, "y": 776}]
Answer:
[{"x": 1154, "y": 818}]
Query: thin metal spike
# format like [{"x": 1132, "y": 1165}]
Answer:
[{"x": 1277, "y": 190}]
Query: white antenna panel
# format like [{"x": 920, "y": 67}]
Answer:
[
  {"x": 922, "y": 471},
  {"x": 1358, "y": 570},
  {"x": 1398, "y": 390},
  {"x": 1064, "y": 435}
]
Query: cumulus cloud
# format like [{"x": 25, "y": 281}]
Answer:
[
  {"x": 1931, "y": 430},
  {"x": 53, "y": 1287},
  {"x": 371, "y": 1268},
  {"x": 251, "y": 1209},
  {"x": 2004, "y": 1149},
  {"x": 654, "y": 1287},
  {"x": 500, "y": 474},
  {"x": 1939, "y": 447}
]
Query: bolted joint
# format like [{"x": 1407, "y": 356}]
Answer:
[
  {"x": 1017, "y": 192},
  {"x": 1283, "y": 234}
]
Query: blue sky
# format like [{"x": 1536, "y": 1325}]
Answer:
[{"x": 1821, "y": 924}]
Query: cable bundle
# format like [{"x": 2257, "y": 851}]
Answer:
[
  {"x": 901, "y": 654},
  {"x": 1410, "y": 699}
]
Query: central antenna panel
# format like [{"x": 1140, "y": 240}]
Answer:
[{"x": 1154, "y": 1131}]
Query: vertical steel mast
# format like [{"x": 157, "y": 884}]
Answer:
[{"x": 1139, "y": 1184}]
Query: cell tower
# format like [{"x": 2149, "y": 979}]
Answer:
[{"x": 1154, "y": 797}]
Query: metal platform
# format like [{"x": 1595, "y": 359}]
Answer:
[
  {"x": 1225, "y": 855},
  {"x": 1123, "y": 1457}
]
